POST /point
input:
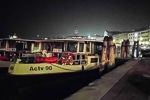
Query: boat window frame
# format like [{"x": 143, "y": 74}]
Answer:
[
  {"x": 2, "y": 44},
  {"x": 35, "y": 48},
  {"x": 59, "y": 48},
  {"x": 67, "y": 44},
  {"x": 81, "y": 44},
  {"x": 88, "y": 42},
  {"x": 94, "y": 48},
  {"x": 12, "y": 44}
]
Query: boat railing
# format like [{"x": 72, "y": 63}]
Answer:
[{"x": 66, "y": 58}]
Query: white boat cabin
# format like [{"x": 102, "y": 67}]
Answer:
[
  {"x": 10, "y": 47},
  {"x": 58, "y": 49}
]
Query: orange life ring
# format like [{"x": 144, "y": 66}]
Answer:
[
  {"x": 67, "y": 59},
  {"x": 63, "y": 60},
  {"x": 70, "y": 59}
]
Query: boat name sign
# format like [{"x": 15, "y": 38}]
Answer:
[{"x": 39, "y": 68}]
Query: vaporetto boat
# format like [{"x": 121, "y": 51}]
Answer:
[
  {"x": 12, "y": 48},
  {"x": 67, "y": 55}
]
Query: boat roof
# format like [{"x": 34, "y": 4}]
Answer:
[
  {"x": 93, "y": 40},
  {"x": 80, "y": 38},
  {"x": 20, "y": 39},
  {"x": 70, "y": 38}
]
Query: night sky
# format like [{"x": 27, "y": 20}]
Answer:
[{"x": 49, "y": 18}]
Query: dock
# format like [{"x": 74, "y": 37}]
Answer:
[{"x": 115, "y": 85}]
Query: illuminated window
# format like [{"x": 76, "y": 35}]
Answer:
[
  {"x": 36, "y": 46},
  {"x": 3, "y": 44},
  {"x": 81, "y": 47}
]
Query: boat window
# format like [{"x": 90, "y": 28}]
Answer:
[
  {"x": 3, "y": 44},
  {"x": 97, "y": 48},
  {"x": 44, "y": 46},
  {"x": 72, "y": 46},
  {"x": 81, "y": 47},
  {"x": 27, "y": 46},
  {"x": 78, "y": 57},
  {"x": 83, "y": 56},
  {"x": 2, "y": 53},
  {"x": 12, "y": 44},
  {"x": 58, "y": 47},
  {"x": 36, "y": 46},
  {"x": 88, "y": 47},
  {"x": 49, "y": 47},
  {"x": 19, "y": 46}
]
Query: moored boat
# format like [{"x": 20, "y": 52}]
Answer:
[
  {"x": 11, "y": 49},
  {"x": 56, "y": 59},
  {"x": 69, "y": 55}
]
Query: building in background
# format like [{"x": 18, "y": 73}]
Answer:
[{"x": 141, "y": 35}]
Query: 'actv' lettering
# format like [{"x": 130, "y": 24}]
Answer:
[{"x": 40, "y": 68}]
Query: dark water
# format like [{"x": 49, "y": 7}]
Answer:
[
  {"x": 24, "y": 88},
  {"x": 45, "y": 87}
]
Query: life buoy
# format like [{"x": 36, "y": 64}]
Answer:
[
  {"x": 63, "y": 60},
  {"x": 67, "y": 59},
  {"x": 70, "y": 59}
]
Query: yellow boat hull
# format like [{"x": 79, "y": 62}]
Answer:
[{"x": 46, "y": 68}]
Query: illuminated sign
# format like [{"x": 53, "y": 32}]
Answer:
[
  {"x": 57, "y": 50},
  {"x": 11, "y": 49},
  {"x": 2, "y": 48}
]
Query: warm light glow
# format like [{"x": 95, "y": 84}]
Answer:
[
  {"x": 89, "y": 36},
  {"x": 141, "y": 38},
  {"x": 114, "y": 40},
  {"x": 121, "y": 41},
  {"x": 45, "y": 38},
  {"x": 136, "y": 34},
  {"x": 146, "y": 42}
]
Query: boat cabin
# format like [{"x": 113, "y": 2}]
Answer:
[
  {"x": 13, "y": 47},
  {"x": 57, "y": 50},
  {"x": 80, "y": 49}
]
